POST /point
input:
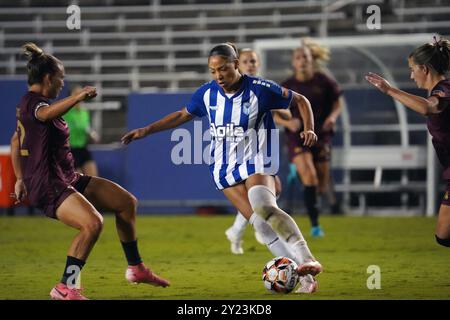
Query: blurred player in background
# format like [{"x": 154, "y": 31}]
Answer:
[
  {"x": 313, "y": 163},
  {"x": 43, "y": 165},
  {"x": 249, "y": 65},
  {"x": 238, "y": 108},
  {"x": 81, "y": 134},
  {"x": 429, "y": 64}
]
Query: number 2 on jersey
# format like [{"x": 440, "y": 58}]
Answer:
[{"x": 20, "y": 127}]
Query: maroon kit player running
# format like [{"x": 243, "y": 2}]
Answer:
[
  {"x": 44, "y": 168},
  {"x": 429, "y": 64},
  {"x": 313, "y": 163}
]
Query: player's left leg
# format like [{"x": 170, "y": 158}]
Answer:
[
  {"x": 235, "y": 233},
  {"x": 109, "y": 196}
]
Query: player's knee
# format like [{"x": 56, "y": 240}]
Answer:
[
  {"x": 443, "y": 242},
  {"x": 262, "y": 200},
  {"x": 132, "y": 203},
  {"x": 94, "y": 226},
  {"x": 128, "y": 206}
]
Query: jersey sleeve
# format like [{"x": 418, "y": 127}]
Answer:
[
  {"x": 36, "y": 106},
  {"x": 272, "y": 96},
  {"x": 441, "y": 91},
  {"x": 196, "y": 105}
]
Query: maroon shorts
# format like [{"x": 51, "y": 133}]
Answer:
[
  {"x": 321, "y": 151},
  {"x": 79, "y": 185},
  {"x": 446, "y": 198}
]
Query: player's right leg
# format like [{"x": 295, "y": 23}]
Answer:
[
  {"x": 76, "y": 212},
  {"x": 237, "y": 195},
  {"x": 261, "y": 195},
  {"x": 308, "y": 174},
  {"x": 235, "y": 233}
]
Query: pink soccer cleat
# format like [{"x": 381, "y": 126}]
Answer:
[
  {"x": 141, "y": 274},
  {"x": 311, "y": 267},
  {"x": 63, "y": 292}
]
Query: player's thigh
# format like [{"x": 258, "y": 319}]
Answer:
[
  {"x": 305, "y": 167},
  {"x": 443, "y": 222},
  {"x": 260, "y": 179},
  {"x": 323, "y": 174},
  {"x": 107, "y": 195},
  {"x": 77, "y": 212},
  {"x": 237, "y": 195}
]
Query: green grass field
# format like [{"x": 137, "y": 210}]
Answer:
[{"x": 193, "y": 253}]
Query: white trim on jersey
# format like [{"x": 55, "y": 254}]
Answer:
[{"x": 38, "y": 106}]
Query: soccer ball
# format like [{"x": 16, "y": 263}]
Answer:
[{"x": 279, "y": 275}]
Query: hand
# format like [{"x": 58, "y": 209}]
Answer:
[
  {"x": 379, "y": 82},
  {"x": 20, "y": 191},
  {"x": 87, "y": 93},
  {"x": 329, "y": 124},
  {"x": 309, "y": 138},
  {"x": 94, "y": 137},
  {"x": 293, "y": 125},
  {"x": 134, "y": 135}
]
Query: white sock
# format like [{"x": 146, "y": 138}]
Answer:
[
  {"x": 273, "y": 242},
  {"x": 239, "y": 225},
  {"x": 264, "y": 203}
]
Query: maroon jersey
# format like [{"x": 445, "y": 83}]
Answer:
[
  {"x": 45, "y": 157},
  {"x": 322, "y": 92},
  {"x": 439, "y": 125}
]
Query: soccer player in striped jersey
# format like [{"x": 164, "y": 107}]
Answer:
[
  {"x": 44, "y": 168},
  {"x": 249, "y": 64},
  {"x": 429, "y": 65},
  {"x": 244, "y": 145}
]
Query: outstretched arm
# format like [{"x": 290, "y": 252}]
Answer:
[
  {"x": 421, "y": 105},
  {"x": 305, "y": 110},
  {"x": 170, "y": 121},
  {"x": 59, "y": 108}
]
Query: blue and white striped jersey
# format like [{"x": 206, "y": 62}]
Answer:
[{"x": 244, "y": 139}]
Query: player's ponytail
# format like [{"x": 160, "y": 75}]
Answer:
[
  {"x": 39, "y": 63},
  {"x": 227, "y": 50},
  {"x": 435, "y": 56}
]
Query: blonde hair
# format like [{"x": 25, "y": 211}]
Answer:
[{"x": 319, "y": 52}]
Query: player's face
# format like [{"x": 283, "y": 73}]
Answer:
[
  {"x": 418, "y": 73},
  {"x": 224, "y": 72},
  {"x": 249, "y": 63},
  {"x": 56, "y": 82},
  {"x": 302, "y": 59}
]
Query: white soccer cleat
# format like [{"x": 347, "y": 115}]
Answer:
[
  {"x": 311, "y": 267},
  {"x": 259, "y": 238},
  {"x": 307, "y": 284},
  {"x": 236, "y": 242}
]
